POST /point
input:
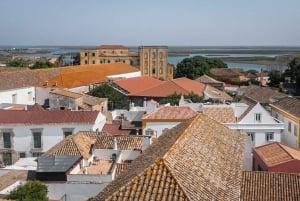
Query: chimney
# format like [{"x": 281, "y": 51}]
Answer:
[
  {"x": 146, "y": 142},
  {"x": 115, "y": 144}
]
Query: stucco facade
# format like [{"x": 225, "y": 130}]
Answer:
[{"x": 24, "y": 95}]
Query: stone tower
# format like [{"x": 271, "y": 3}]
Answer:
[{"x": 154, "y": 62}]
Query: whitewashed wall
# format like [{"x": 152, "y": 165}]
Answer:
[
  {"x": 126, "y": 75},
  {"x": 158, "y": 127},
  {"x": 51, "y": 135},
  {"x": 22, "y": 96}
]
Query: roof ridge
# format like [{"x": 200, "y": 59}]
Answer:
[
  {"x": 179, "y": 85},
  {"x": 283, "y": 147}
]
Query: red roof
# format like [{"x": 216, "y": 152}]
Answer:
[
  {"x": 276, "y": 153},
  {"x": 138, "y": 84},
  {"x": 47, "y": 117},
  {"x": 171, "y": 113},
  {"x": 112, "y": 47},
  {"x": 114, "y": 129},
  {"x": 180, "y": 86}
]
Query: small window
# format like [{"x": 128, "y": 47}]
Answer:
[
  {"x": 37, "y": 154},
  {"x": 251, "y": 136},
  {"x": 37, "y": 140},
  {"x": 30, "y": 97},
  {"x": 67, "y": 133},
  {"x": 7, "y": 158},
  {"x": 149, "y": 131},
  {"x": 85, "y": 54},
  {"x": 93, "y": 54},
  {"x": 108, "y": 61},
  {"x": 14, "y": 98},
  {"x": 22, "y": 155},
  {"x": 269, "y": 136},
  {"x": 289, "y": 126},
  {"x": 295, "y": 130},
  {"x": 85, "y": 62},
  {"x": 258, "y": 117},
  {"x": 93, "y": 62},
  {"x": 6, "y": 140},
  {"x": 153, "y": 70}
]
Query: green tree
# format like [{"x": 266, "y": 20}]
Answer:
[
  {"x": 293, "y": 71},
  {"x": 116, "y": 100},
  {"x": 18, "y": 63},
  {"x": 197, "y": 66},
  {"x": 174, "y": 99},
  {"x": 31, "y": 191},
  {"x": 275, "y": 77},
  {"x": 42, "y": 64}
]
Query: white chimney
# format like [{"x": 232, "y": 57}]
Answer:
[{"x": 115, "y": 144}]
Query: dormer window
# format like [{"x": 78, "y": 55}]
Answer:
[{"x": 258, "y": 117}]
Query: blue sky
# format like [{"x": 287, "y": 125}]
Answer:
[{"x": 155, "y": 22}]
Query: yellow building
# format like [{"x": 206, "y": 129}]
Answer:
[
  {"x": 108, "y": 54},
  {"x": 154, "y": 62},
  {"x": 151, "y": 60}
]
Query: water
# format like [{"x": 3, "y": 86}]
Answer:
[{"x": 220, "y": 52}]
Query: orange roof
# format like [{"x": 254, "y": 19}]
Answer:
[
  {"x": 112, "y": 47},
  {"x": 138, "y": 84},
  {"x": 180, "y": 86},
  {"x": 73, "y": 76},
  {"x": 221, "y": 114},
  {"x": 171, "y": 112},
  {"x": 276, "y": 153}
]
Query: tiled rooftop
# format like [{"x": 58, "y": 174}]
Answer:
[
  {"x": 66, "y": 93},
  {"x": 220, "y": 113},
  {"x": 182, "y": 86},
  {"x": 227, "y": 72},
  {"x": 289, "y": 104},
  {"x": 137, "y": 84},
  {"x": 47, "y": 116},
  {"x": 114, "y": 129},
  {"x": 199, "y": 159},
  {"x": 216, "y": 94},
  {"x": 120, "y": 168},
  {"x": 25, "y": 78},
  {"x": 75, "y": 145},
  {"x": 11, "y": 177},
  {"x": 264, "y": 95},
  {"x": 171, "y": 113},
  {"x": 267, "y": 186},
  {"x": 276, "y": 153},
  {"x": 205, "y": 79},
  {"x": 86, "y": 74},
  {"x": 123, "y": 142}
]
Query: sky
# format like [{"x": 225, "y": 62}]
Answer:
[{"x": 155, "y": 22}]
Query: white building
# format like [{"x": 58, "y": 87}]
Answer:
[
  {"x": 23, "y": 95},
  {"x": 260, "y": 127},
  {"x": 165, "y": 117},
  {"x": 29, "y": 133},
  {"x": 287, "y": 110}
]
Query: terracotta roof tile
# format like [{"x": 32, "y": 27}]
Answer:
[
  {"x": 11, "y": 177},
  {"x": 205, "y": 79},
  {"x": 276, "y": 153},
  {"x": 47, "y": 116},
  {"x": 137, "y": 84},
  {"x": 171, "y": 113},
  {"x": 114, "y": 129},
  {"x": 199, "y": 159},
  {"x": 87, "y": 74},
  {"x": 222, "y": 113},
  {"x": 216, "y": 94},
  {"x": 288, "y": 104},
  {"x": 182, "y": 86},
  {"x": 124, "y": 142},
  {"x": 75, "y": 145},
  {"x": 225, "y": 72},
  {"x": 120, "y": 168},
  {"x": 66, "y": 93},
  {"x": 264, "y": 95},
  {"x": 263, "y": 186}
]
